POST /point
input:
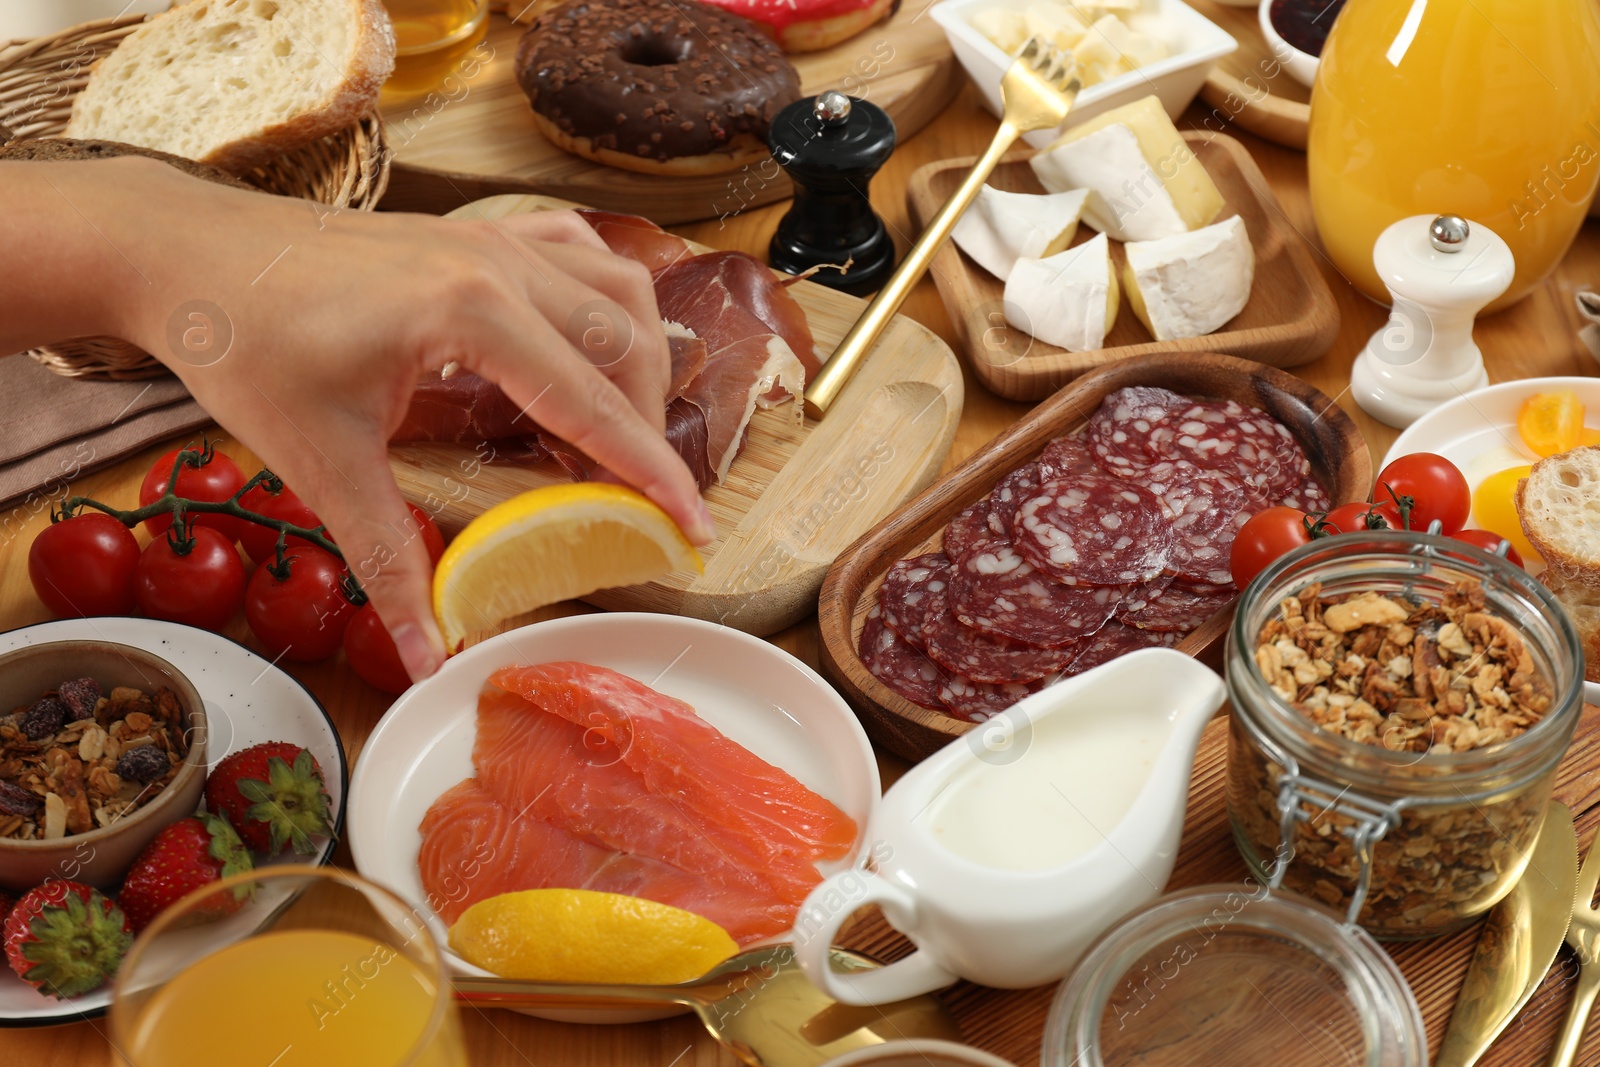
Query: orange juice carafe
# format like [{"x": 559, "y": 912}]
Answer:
[{"x": 1488, "y": 109}]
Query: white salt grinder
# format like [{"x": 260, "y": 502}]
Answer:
[{"x": 1440, "y": 272}]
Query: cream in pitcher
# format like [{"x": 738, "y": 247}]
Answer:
[{"x": 1006, "y": 853}]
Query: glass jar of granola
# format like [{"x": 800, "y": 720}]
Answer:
[{"x": 1400, "y": 702}]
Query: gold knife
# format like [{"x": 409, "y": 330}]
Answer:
[{"x": 1518, "y": 944}]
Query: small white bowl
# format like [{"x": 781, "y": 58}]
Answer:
[
  {"x": 754, "y": 692},
  {"x": 1302, "y": 66},
  {"x": 1196, "y": 43}
]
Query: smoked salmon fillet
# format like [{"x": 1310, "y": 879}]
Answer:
[{"x": 679, "y": 755}]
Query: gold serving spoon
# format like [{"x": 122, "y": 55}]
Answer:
[
  {"x": 758, "y": 1004},
  {"x": 1038, "y": 90}
]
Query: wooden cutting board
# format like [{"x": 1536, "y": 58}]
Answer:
[
  {"x": 797, "y": 494},
  {"x": 475, "y": 137},
  {"x": 1250, "y": 88}
]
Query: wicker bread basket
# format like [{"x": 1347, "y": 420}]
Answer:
[{"x": 39, "y": 79}]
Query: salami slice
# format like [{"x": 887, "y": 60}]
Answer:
[
  {"x": 898, "y": 665},
  {"x": 1010, "y": 493},
  {"x": 1128, "y": 432},
  {"x": 1140, "y": 595},
  {"x": 977, "y": 702},
  {"x": 981, "y": 657},
  {"x": 1176, "y": 609},
  {"x": 1208, "y": 588},
  {"x": 1242, "y": 441},
  {"x": 1093, "y": 529},
  {"x": 905, "y": 591},
  {"x": 1307, "y": 496},
  {"x": 998, "y": 592},
  {"x": 1208, "y": 508},
  {"x": 1068, "y": 454},
  {"x": 966, "y": 530},
  {"x": 1113, "y": 640}
]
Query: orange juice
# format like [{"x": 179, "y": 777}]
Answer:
[
  {"x": 1489, "y": 109},
  {"x": 325, "y": 998},
  {"x": 432, "y": 38}
]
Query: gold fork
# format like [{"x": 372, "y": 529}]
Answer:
[
  {"x": 1584, "y": 936},
  {"x": 1038, "y": 90}
]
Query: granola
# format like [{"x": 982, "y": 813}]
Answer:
[
  {"x": 1423, "y": 678},
  {"x": 62, "y": 758}
]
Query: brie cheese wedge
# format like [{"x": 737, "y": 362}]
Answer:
[
  {"x": 1144, "y": 180},
  {"x": 1000, "y": 227},
  {"x": 1191, "y": 284},
  {"x": 1069, "y": 299}
]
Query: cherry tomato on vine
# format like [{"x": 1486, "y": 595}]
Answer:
[
  {"x": 84, "y": 566},
  {"x": 1268, "y": 535},
  {"x": 372, "y": 655},
  {"x": 303, "y": 616},
  {"x": 1437, "y": 490},
  {"x": 432, "y": 539},
  {"x": 285, "y": 506},
  {"x": 214, "y": 482},
  {"x": 1354, "y": 518},
  {"x": 201, "y": 584},
  {"x": 1489, "y": 541}
]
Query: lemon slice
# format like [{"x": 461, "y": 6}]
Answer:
[
  {"x": 552, "y": 544},
  {"x": 578, "y": 935}
]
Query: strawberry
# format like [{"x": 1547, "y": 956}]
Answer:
[
  {"x": 184, "y": 856},
  {"x": 273, "y": 795},
  {"x": 66, "y": 939}
]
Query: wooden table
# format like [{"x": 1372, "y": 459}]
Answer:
[{"x": 1537, "y": 337}]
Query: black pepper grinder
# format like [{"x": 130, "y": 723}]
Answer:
[{"x": 831, "y": 145}]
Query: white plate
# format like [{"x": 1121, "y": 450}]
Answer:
[
  {"x": 1484, "y": 419},
  {"x": 754, "y": 692},
  {"x": 248, "y": 701}
]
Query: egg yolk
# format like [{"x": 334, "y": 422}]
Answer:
[{"x": 1494, "y": 507}]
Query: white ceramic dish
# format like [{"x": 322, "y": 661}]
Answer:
[
  {"x": 248, "y": 701},
  {"x": 1484, "y": 419},
  {"x": 754, "y": 692},
  {"x": 1302, "y": 66},
  {"x": 1196, "y": 43}
]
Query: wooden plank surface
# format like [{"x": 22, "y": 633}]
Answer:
[
  {"x": 475, "y": 136},
  {"x": 1250, "y": 88},
  {"x": 1535, "y": 338}
]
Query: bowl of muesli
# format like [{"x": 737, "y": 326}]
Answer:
[{"x": 101, "y": 746}]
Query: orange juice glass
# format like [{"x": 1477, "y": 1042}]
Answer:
[
  {"x": 316, "y": 968},
  {"x": 1488, "y": 109},
  {"x": 432, "y": 38}
]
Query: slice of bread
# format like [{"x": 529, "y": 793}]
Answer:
[
  {"x": 236, "y": 83},
  {"x": 1583, "y": 605},
  {"x": 1559, "y": 504}
]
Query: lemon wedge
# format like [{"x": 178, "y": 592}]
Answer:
[
  {"x": 578, "y": 935},
  {"x": 552, "y": 544}
]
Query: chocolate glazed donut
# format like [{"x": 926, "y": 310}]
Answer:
[{"x": 657, "y": 86}]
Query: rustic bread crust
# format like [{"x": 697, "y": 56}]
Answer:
[
  {"x": 1561, "y": 538},
  {"x": 67, "y": 149}
]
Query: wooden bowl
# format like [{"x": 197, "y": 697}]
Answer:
[
  {"x": 100, "y": 857},
  {"x": 39, "y": 80},
  {"x": 1332, "y": 443}
]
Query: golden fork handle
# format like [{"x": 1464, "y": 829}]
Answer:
[
  {"x": 824, "y": 389},
  {"x": 1566, "y": 1050}
]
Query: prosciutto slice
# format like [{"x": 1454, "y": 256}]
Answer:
[{"x": 635, "y": 238}]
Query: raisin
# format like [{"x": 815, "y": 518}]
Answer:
[
  {"x": 143, "y": 764},
  {"x": 44, "y": 718},
  {"x": 80, "y": 696},
  {"x": 15, "y": 800}
]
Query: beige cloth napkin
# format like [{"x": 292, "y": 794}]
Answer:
[{"x": 56, "y": 429}]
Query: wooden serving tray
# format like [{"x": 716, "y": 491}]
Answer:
[
  {"x": 1291, "y": 317},
  {"x": 1336, "y": 449},
  {"x": 1250, "y": 87},
  {"x": 796, "y": 494},
  {"x": 1010, "y": 1023},
  {"x": 475, "y": 137}
]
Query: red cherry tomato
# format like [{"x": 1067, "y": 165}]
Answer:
[
  {"x": 1436, "y": 488},
  {"x": 432, "y": 539},
  {"x": 202, "y": 587},
  {"x": 301, "y": 617},
  {"x": 372, "y": 655},
  {"x": 217, "y": 481},
  {"x": 84, "y": 566},
  {"x": 1489, "y": 541},
  {"x": 1359, "y": 517},
  {"x": 1268, "y": 535},
  {"x": 285, "y": 506}
]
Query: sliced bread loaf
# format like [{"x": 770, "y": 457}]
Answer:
[
  {"x": 1583, "y": 606},
  {"x": 1559, "y": 504},
  {"x": 236, "y": 83}
]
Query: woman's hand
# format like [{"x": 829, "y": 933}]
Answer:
[{"x": 314, "y": 326}]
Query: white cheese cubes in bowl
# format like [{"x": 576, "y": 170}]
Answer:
[{"x": 1126, "y": 48}]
